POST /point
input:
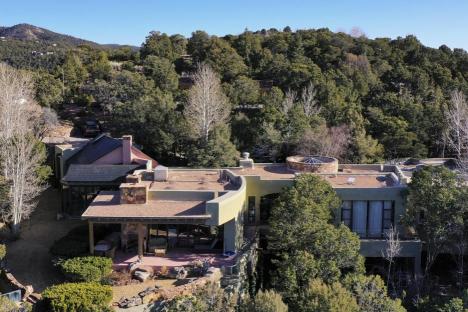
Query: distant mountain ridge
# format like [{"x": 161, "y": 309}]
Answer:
[{"x": 27, "y": 32}]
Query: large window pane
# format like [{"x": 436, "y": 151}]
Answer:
[
  {"x": 346, "y": 213},
  {"x": 360, "y": 217},
  {"x": 375, "y": 218},
  {"x": 388, "y": 215}
]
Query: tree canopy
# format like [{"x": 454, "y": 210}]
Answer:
[{"x": 391, "y": 94}]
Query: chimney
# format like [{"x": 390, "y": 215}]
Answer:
[
  {"x": 126, "y": 149},
  {"x": 161, "y": 173},
  {"x": 133, "y": 193},
  {"x": 246, "y": 161}
]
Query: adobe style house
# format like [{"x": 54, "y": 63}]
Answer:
[
  {"x": 86, "y": 167},
  {"x": 162, "y": 208}
]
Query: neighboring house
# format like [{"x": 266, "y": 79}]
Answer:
[
  {"x": 183, "y": 206},
  {"x": 87, "y": 167}
]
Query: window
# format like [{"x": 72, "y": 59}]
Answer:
[
  {"x": 388, "y": 215},
  {"x": 369, "y": 219},
  {"x": 375, "y": 218},
  {"x": 346, "y": 213},
  {"x": 360, "y": 217},
  {"x": 251, "y": 210}
]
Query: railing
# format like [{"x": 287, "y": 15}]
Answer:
[
  {"x": 234, "y": 269},
  {"x": 13, "y": 295}
]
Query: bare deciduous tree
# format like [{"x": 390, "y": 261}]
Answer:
[
  {"x": 456, "y": 134},
  {"x": 20, "y": 127},
  {"x": 357, "y": 32},
  {"x": 207, "y": 105},
  {"x": 309, "y": 101},
  {"x": 289, "y": 101},
  {"x": 392, "y": 249},
  {"x": 325, "y": 141},
  {"x": 24, "y": 183},
  {"x": 15, "y": 92}
]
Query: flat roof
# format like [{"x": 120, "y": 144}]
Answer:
[
  {"x": 348, "y": 178},
  {"x": 107, "y": 206},
  {"x": 208, "y": 180}
]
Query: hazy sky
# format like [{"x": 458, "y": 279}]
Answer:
[{"x": 128, "y": 22}]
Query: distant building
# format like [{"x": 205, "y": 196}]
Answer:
[{"x": 186, "y": 81}]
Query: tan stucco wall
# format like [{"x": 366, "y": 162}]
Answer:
[
  {"x": 387, "y": 193},
  {"x": 255, "y": 186},
  {"x": 229, "y": 205}
]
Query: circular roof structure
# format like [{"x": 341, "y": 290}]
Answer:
[{"x": 312, "y": 163}]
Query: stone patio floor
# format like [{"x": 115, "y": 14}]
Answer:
[{"x": 172, "y": 258}]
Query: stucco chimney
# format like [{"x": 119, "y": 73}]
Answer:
[
  {"x": 127, "y": 149},
  {"x": 133, "y": 193}
]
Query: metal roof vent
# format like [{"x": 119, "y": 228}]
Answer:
[{"x": 351, "y": 180}]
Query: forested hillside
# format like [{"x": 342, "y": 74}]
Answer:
[{"x": 288, "y": 92}]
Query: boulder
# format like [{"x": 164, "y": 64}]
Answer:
[
  {"x": 148, "y": 290},
  {"x": 178, "y": 273},
  {"x": 145, "y": 268},
  {"x": 125, "y": 303},
  {"x": 141, "y": 276},
  {"x": 151, "y": 297}
]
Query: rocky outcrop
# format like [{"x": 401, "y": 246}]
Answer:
[{"x": 154, "y": 294}]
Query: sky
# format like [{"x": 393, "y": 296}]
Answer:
[{"x": 434, "y": 22}]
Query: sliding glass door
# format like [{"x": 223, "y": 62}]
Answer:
[
  {"x": 360, "y": 217},
  {"x": 369, "y": 219},
  {"x": 375, "y": 218}
]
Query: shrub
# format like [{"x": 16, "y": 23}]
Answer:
[
  {"x": 211, "y": 297},
  {"x": 266, "y": 301},
  {"x": 371, "y": 293},
  {"x": 186, "y": 303},
  {"x": 86, "y": 269},
  {"x": 328, "y": 298},
  {"x": 78, "y": 297},
  {"x": 6, "y": 305}
]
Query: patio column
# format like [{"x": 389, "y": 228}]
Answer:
[
  {"x": 230, "y": 235},
  {"x": 140, "y": 230},
  {"x": 91, "y": 237}
]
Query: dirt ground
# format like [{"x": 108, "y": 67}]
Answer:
[{"x": 28, "y": 257}]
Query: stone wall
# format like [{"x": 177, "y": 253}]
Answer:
[
  {"x": 133, "y": 193},
  {"x": 241, "y": 277},
  {"x": 160, "y": 296}
]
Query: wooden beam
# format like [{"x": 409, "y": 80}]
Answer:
[{"x": 91, "y": 237}]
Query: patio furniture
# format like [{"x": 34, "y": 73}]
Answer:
[
  {"x": 158, "y": 245},
  {"x": 185, "y": 240},
  {"x": 104, "y": 248}
]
